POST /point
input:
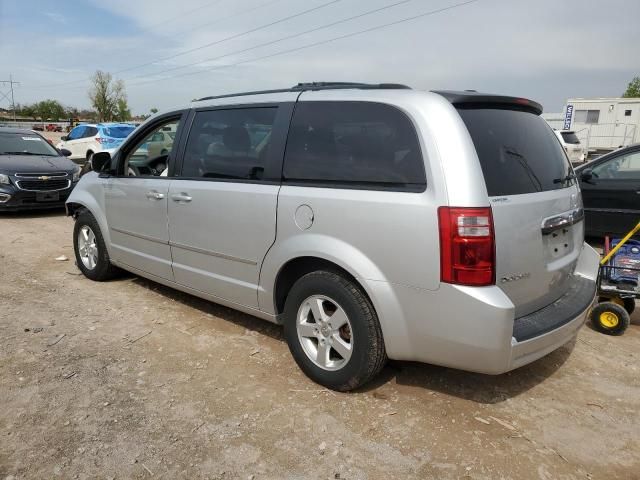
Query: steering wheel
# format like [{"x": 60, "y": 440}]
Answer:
[{"x": 158, "y": 164}]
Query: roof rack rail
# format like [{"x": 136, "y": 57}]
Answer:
[
  {"x": 300, "y": 87},
  {"x": 337, "y": 85}
]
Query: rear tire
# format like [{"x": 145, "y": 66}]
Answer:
[
  {"x": 333, "y": 331},
  {"x": 90, "y": 250},
  {"x": 610, "y": 318}
]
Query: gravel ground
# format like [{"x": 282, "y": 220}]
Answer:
[{"x": 128, "y": 379}]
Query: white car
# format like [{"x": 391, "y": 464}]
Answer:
[
  {"x": 86, "y": 139},
  {"x": 572, "y": 146}
]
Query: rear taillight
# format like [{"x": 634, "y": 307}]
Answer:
[
  {"x": 98, "y": 139},
  {"x": 467, "y": 246}
]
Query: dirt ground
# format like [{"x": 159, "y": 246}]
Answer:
[{"x": 128, "y": 379}]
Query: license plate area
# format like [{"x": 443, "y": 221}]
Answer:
[
  {"x": 559, "y": 243},
  {"x": 47, "y": 196}
]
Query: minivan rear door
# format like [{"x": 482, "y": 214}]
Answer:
[{"x": 536, "y": 205}]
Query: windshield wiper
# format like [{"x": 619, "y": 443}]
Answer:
[{"x": 28, "y": 153}]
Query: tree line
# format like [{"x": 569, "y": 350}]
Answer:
[{"x": 108, "y": 100}]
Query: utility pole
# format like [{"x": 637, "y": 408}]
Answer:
[{"x": 4, "y": 94}]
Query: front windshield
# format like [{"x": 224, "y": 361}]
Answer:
[{"x": 25, "y": 144}]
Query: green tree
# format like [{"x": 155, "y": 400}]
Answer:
[
  {"x": 633, "y": 89},
  {"x": 123, "y": 114},
  {"x": 154, "y": 110},
  {"x": 48, "y": 110},
  {"x": 105, "y": 93}
]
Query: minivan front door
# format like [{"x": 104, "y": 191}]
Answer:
[
  {"x": 137, "y": 218},
  {"x": 222, "y": 206},
  {"x": 136, "y": 204}
]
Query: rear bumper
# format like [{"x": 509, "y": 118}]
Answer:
[{"x": 475, "y": 329}]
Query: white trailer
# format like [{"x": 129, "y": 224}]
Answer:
[{"x": 603, "y": 124}]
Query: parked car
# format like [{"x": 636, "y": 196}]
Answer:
[
  {"x": 52, "y": 127},
  {"x": 33, "y": 174},
  {"x": 86, "y": 139},
  {"x": 571, "y": 144},
  {"x": 610, "y": 188},
  {"x": 160, "y": 143},
  {"x": 38, "y": 127},
  {"x": 372, "y": 221}
]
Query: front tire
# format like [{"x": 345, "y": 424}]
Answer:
[
  {"x": 333, "y": 331},
  {"x": 90, "y": 250}
]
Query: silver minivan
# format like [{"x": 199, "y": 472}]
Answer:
[{"x": 371, "y": 221}]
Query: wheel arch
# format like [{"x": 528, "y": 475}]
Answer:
[
  {"x": 296, "y": 268},
  {"x": 81, "y": 200}
]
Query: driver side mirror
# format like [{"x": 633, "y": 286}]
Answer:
[
  {"x": 587, "y": 175},
  {"x": 65, "y": 152},
  {"x": 100, "y": 162},
  {"x": 64, "y": 138}
]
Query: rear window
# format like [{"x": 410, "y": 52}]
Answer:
[
  {"x": 570, "y": 137},
  {"x": 118, "y": 132},
  {"x": 518, "y": 151},
  {"x": 353, "y": 144}
]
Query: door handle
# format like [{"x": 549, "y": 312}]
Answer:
[
  {"x": 181, "y": 197},
  {"x": 153, "y": 195}
]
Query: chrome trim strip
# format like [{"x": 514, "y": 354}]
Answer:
[
  {"x": 566, "y": 219},
  {"x": 139, "y": 235},
  {"x": 212, "y": 253},
  {"x": 35, "y": 175},
  {"x": 43, "y": 181}
]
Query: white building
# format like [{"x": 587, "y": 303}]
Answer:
[{"x": 602, "y": 124}]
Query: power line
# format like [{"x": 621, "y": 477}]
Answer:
[
  {"x": 183, "y": 14},
  {"x": 232, "y": 37},
  {"x": 237, "y": 35},
  {"x": 281, "y": 39},
  {"x": 228, "y": 17},
  {"x": 315, "y": 44}
]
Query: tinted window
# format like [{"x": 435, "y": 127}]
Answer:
[
  {"x": 229, "y": 144},
  {"x": 353, "y": 142},
  {"x": 570, "y": 137},
  {"x": 90, "y": 132},
  {"x": 624, "y": 167},
  {"x": 518, "y": 151},
  {"x": 25, "y": 144},
  {"x": 118, "y": 131}
]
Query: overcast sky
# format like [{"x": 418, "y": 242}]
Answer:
[{"x": 547, "y": 50}]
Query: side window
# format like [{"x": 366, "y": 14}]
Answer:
[
  {"x": 76, "y": 133},
  {"x": 624, "y": 167},
  {"x": 364, "y": 144},
  {"x": 229, "y": 144},
  {"x": 150, "y": 157},
  {"x": 90, "y": 132}
]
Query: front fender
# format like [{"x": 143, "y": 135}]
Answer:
[{"x": 89, "y": 193}]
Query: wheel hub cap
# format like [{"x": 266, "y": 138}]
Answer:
[
  {"x": 87, "y": 247},
  {"x": 324, "y": 332}
]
